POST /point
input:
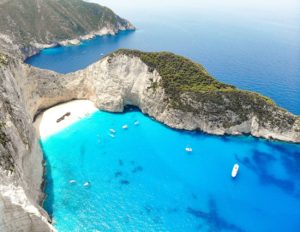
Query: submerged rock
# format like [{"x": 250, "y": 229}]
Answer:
[{"x": 124, "y": 182}]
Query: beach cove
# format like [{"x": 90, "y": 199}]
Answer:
[{"x": 143, "y": 177}]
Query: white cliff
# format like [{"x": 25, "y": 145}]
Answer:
[{"x": 21, "y": 168}]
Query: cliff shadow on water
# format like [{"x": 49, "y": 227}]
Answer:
[{"x": 48, "y": 200}]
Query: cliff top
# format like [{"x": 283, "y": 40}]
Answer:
[{"x": 181, "y": 75}]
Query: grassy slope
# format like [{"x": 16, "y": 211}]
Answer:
[{"x": 52, "y": 20}]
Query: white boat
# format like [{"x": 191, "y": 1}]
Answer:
[
  {"x": 72, "y": 181},
  {"x": 86, "y": 184},
  {"x": 125, "y": 126},
  {"x": 235, "y": 170},
  {"x": 112, "y": 131},
  {"x": 136, "y": 123},
  {"x": 188, "y": 149}
]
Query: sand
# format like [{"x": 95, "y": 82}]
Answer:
[{"x": 47, "y": 125}]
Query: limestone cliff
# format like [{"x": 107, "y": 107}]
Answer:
[{"x": 21, "y": 166}]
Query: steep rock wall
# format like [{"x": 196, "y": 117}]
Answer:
[{"x": 21, "y": 168}]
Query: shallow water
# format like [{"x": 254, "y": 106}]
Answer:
[
  {"x": 251, "y": 44},
  {"x": 143, "y": 179}
]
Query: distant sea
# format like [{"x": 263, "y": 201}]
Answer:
[{"x": 254, "y": 45}]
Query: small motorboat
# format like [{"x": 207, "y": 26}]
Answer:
[
  {"x": 188, "y": 149},
  {"x": 86, "y": 184},
  {"x": 125, "y": 126},
  {"x": 235, "y": 170},
  {"x": 112, "y": 131},
  {"x": 72, "y": 181},
  {"x": 136, "y": 123}
]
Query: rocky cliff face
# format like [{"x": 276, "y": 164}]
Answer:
[
  {"x": 34, "y": 24},
  {"x": 21, "y": 166}
]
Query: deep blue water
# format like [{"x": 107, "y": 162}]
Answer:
[
  {"x": 144, "y": 180},
  {"x": 254, "y": 45}
]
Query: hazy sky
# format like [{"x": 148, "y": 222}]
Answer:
[{"x": 277, "y": 11}]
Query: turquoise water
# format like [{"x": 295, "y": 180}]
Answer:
[
  {"x": 143, "y": 179},
  {"x": 252, "y": 44}
]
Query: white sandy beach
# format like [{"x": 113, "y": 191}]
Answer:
[{"x": 46, "y": 123}]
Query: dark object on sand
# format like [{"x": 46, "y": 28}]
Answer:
[{"x": 63, "y": 117}]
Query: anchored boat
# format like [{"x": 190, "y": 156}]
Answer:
[
  {"x": 188, "y": 149},
  {"x": 235, "y": 170}
]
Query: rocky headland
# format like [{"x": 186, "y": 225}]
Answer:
[
  {"x": 170, "y": 88},
  {"x": 29, "y": 26}
]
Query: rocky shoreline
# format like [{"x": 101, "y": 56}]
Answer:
[{"x": 36, "y": 47}]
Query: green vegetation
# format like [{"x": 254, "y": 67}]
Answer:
[
  {"x": 178, "y": 73},
  {"x": 6, "y": 160},
  {"x": 3, "y": 59},
  {"x": 181, "y": 75},
  {"x": 3, "y": 138},
  {"x": 48, "y": 21}
]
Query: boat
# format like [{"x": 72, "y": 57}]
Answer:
[
  {"x": 235, "y": 170},
  {"x": 125, "y": 126},
  {"x": 72, "y": 181},
  {"x": 136, "y": 123},
  {"x": 112, "y": 131},
  {"x": 188, "y": 149},
  {"x": 86, "y": 184}
]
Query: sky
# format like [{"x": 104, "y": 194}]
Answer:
[{"x": 272, "y": 11}]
